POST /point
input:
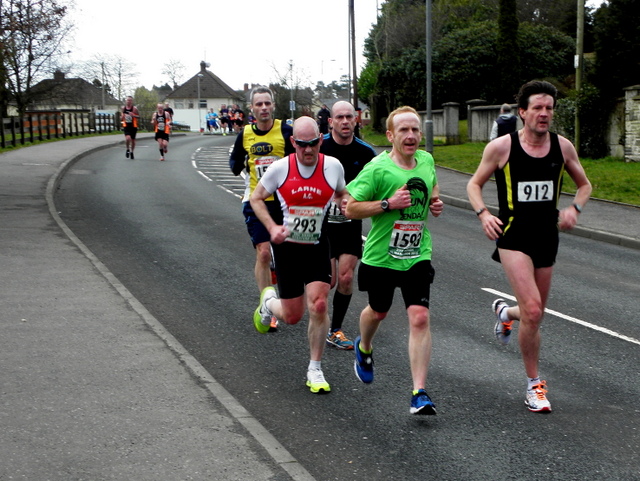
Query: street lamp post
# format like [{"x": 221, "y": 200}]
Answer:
[
  {"x": 428, "y": 123},
  {"x": 199, "y": 113},
  {"x": 292, "y": 105}
]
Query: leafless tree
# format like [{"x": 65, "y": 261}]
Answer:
[
  {"x": 174, "y": 69},
  {"x": 114, "y": 72},
  {"x": 31, "y": 36}
]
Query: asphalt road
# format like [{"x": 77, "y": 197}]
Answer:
[{"x": 172, "y": 232}]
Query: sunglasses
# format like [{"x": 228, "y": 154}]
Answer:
[{"x": 303, "y": 144}]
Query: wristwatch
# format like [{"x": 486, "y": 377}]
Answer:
[
  {"x": 480, "y": 211},
  {"x": 577, "y": 207},
  {"x": 384, "y": 203}
]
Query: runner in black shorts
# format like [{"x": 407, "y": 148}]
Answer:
[
  {"x": 345, "y": 235},
  {"x": 291, "y": 279},
  {"x": 161, "y": 120},
  {"x": 130, "y": 119},
  {"x": 305, "y": 182},
  {"x": 540, "y": 244},
  {"x": 380, "y": 283},
  {"x": 398, "y": 190},
  {"x": 528, "y": 166}
]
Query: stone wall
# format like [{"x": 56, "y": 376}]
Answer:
[{"x": 632, "y": 124}]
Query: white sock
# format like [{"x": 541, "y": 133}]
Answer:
[
  {"x": 532, "y": 381},
  {"x": 266, "y": 304},
  {"x": 314, "y": 365},
  {"x": 503, "y": 314}
]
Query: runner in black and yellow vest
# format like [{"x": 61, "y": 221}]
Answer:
[{"x": 256, "y": 148}]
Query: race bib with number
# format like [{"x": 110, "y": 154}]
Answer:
[
  {"x": 128, "y": 118},
  {"x": 160, "y": 125},
  {"x": 262, "y": 164},
  {"x": 335, "y": 216},
  {"x": 405, "y": 239},
  {"x": 305, "y": 224},
  {"x": 535, "y": 191}
]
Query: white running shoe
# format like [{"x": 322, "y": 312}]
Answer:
[
  {"x": 536, "y": 400},
  {"x": 316, "y": 381},
  {"x": 502, "y": 328}
]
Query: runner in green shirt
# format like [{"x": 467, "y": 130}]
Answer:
[{"x": 397, "y": 190}]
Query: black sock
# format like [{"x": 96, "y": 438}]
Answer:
[{"x": 340, "y": 306}]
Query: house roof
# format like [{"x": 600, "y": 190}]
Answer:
[
  {"x": 69, "y": 91},
  {"x": 211, "y": 87}
]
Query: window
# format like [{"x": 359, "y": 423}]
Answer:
[{"x": 203, "y": 103}]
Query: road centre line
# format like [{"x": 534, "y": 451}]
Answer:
[{"x": 604, "y": 330}]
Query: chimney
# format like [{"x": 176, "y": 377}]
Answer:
[
  {"x": 203, "y": 66},
  {"x": 58, "y": 75}
]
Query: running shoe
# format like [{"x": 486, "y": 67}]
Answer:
[
  {"x": 421, "y": 403},
  {"x": 131, "y": 154},
  {"x": 339, "y": 340},
  {"x": 161, "y": 159},
  {"x": 502, "y": 328},
  {"x": 273, "y": 326},
  {"x": 262, "y": 315},
  {"x": 127, "y": 154},
  {"x": 536, "y": 400},
  {"x": 316, "y": 382},
  {"x": 363, "y": 364}
]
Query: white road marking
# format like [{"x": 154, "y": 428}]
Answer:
[{"x": 571, "y": 319}]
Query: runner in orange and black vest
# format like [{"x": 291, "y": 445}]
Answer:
[
  {"x": 162, "y": 122},
  {"x": 130, "y": 116}
]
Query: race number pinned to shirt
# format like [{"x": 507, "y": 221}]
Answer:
[
  {"x": 535, "y": 191},
  {"x": 305, "y": 224},
  {"x": 335, "y": 216},
  {"x": 262, "y": 164},
  {"x": 405, "y": 239}
]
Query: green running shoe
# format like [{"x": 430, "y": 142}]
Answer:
[
  {"x": 262, "y": 315},
  {"x": 316, "y": 382}
]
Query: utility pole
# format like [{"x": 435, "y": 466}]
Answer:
[
  {"x": 292, "y": 105},
  {"x": 352, "y": 21},
  {"x": 103, "y": 85},
  {"x": 428, "y": 123},
  {"x": 578, "y": 64}
]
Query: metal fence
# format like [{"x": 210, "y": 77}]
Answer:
[{"x": 39, "y": 126}]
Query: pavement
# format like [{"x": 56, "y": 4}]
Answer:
[{"x": 93, "y": 387}]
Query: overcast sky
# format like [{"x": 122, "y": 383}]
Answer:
[{"x": 243, "y": 40}]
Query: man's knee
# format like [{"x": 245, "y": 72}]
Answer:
[
  {"x": 345, "y": 279},
  {"x": 263, "y": 253},
  {"x": 531, "y": 311},
  {"x": 418, "y": 317}
]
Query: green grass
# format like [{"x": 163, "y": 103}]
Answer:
[{"x": 612, "y": 178}]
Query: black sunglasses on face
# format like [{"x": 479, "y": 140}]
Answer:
[{"x": 303, "y": 144}]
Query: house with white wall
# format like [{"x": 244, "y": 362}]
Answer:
[{"x": 192, "y": 100}]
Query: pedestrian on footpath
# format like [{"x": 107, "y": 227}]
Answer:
[
  {"x": 397, "y": 190},
  {"x": 305, "y": 183},
  {"x": 345, "y": 235},
  {"x": 504, "y": 124},
  {"x": 528, "y": 166}
]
